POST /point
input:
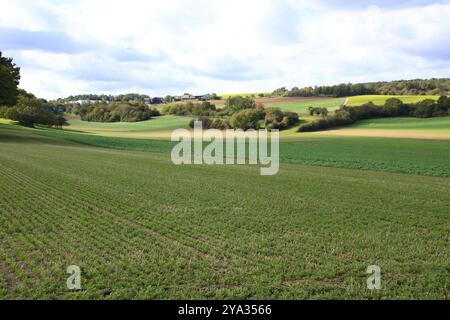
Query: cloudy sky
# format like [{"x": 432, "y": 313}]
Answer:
[{"x": 173, "y": 46}]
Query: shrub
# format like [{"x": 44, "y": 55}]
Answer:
[
  {"x": 394, "y": 107},
  {"x": 443, "y": 105},
  {"x": 425, "y": 108},
  {"x": 340, "y": 118},
  {"x": 206, "y": 122},
  {"x": 292, "y": 118},
  {"x": 32, "y": 111},
  {"x": 190, "y": 109},
  {"x": 316, "y": 125},
  {"x": 238, "y": 103},
  {"x": 246, "y": 119},
  {"x": 276, "y": 119},
  {"x": 273, "y": 115},
  {"x": 318, "y": 111},
  {"x": 221, "y": 124}
]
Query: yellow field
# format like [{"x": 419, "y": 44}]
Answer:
[
  {"x": 244, "y": 94},
  {"x": 7, "y": 121},
  {"x": 381, "y": 99}
]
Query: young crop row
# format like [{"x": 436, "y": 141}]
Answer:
[
  {"x": 88, "y": 238},
  {"x": 412, "y": 156},
  {"x": 140, "y": 227}
]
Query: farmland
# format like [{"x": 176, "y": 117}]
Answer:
[
  {"x": 158, "y": 123},
  {"x": 6, "y": 121},
  {"x": 381, "y": 99},
  {"x": 140, "y": 227},
  {"x": 244, "y": 94},
  {"x": 156, "y": 128},
  {"x": 432, "y": 128},
  {"x": 303, "y": 105},
  {"x": 421, "y": 157},
  {"x": 441, "y": 124},
  {"x": 298, "y": 104},
  {"x": 321, "y": 172}
]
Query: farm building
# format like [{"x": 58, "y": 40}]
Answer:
[
  {"x": 187, "y": 97},
  {"x": 154, "y": 100}
]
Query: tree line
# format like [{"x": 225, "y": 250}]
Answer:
[
  {"x": 401, "y": 87},
  {"x": 105, "y": 97},
  {"x": 114, "y": 112},
  {"x": 18, "y": 105},
  {"x": 392, "y": 108},
  {"x": 204, "y": 108}
]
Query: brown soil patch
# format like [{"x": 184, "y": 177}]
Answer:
[
  {"x": 9, "y": 277},
  {"x": 388, "y": 134}
]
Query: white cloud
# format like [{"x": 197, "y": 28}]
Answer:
[{"x": 172, "y": 46}]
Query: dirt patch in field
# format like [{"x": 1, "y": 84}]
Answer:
[
  {"x": 9, "y": 277},
  {"x": 387, "y": 134}
]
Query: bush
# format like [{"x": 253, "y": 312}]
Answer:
[
  {"x": 276, "y": 119},
  {"x": 318, "y": 111},
  {"x": 425, "y": 108},
  {"x": 394, "y": 107},
  {"x": 32, "y": 111},
  {"x": 190, "y": 109},
  {"x": 316, "y": 125},
  {"x": 221, "y": 124},
  {"x": 207, "y": 123},
  {"x": 443, "y": 105},
  {"x": 246, "y": 119},
  {"x": 273, "y": 115},
  {"x": 340, "y": 118},
  {"x": 238, "y": 103}
]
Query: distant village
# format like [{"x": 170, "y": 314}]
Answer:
[{"x": 187, "y": 97}]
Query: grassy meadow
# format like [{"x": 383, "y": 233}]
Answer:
[
  {"x": 142, "y": 228},
  {"x": 156, "y": 128},
  {"x": 166, "y": 122},
  {"x": 417, "y": 124}
]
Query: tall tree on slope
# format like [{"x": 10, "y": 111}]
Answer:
[{"x": 9, "y": 80}]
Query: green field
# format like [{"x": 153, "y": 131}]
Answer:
[
  {"x": 381, "y": 99},
  {"x": 161, "y": 123},
  {"x": 416, "y": 124},
  {"x": 142, "y": 228},
  {"x": 302, "y": 107},
  {"x": 421, "y": 157}
]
